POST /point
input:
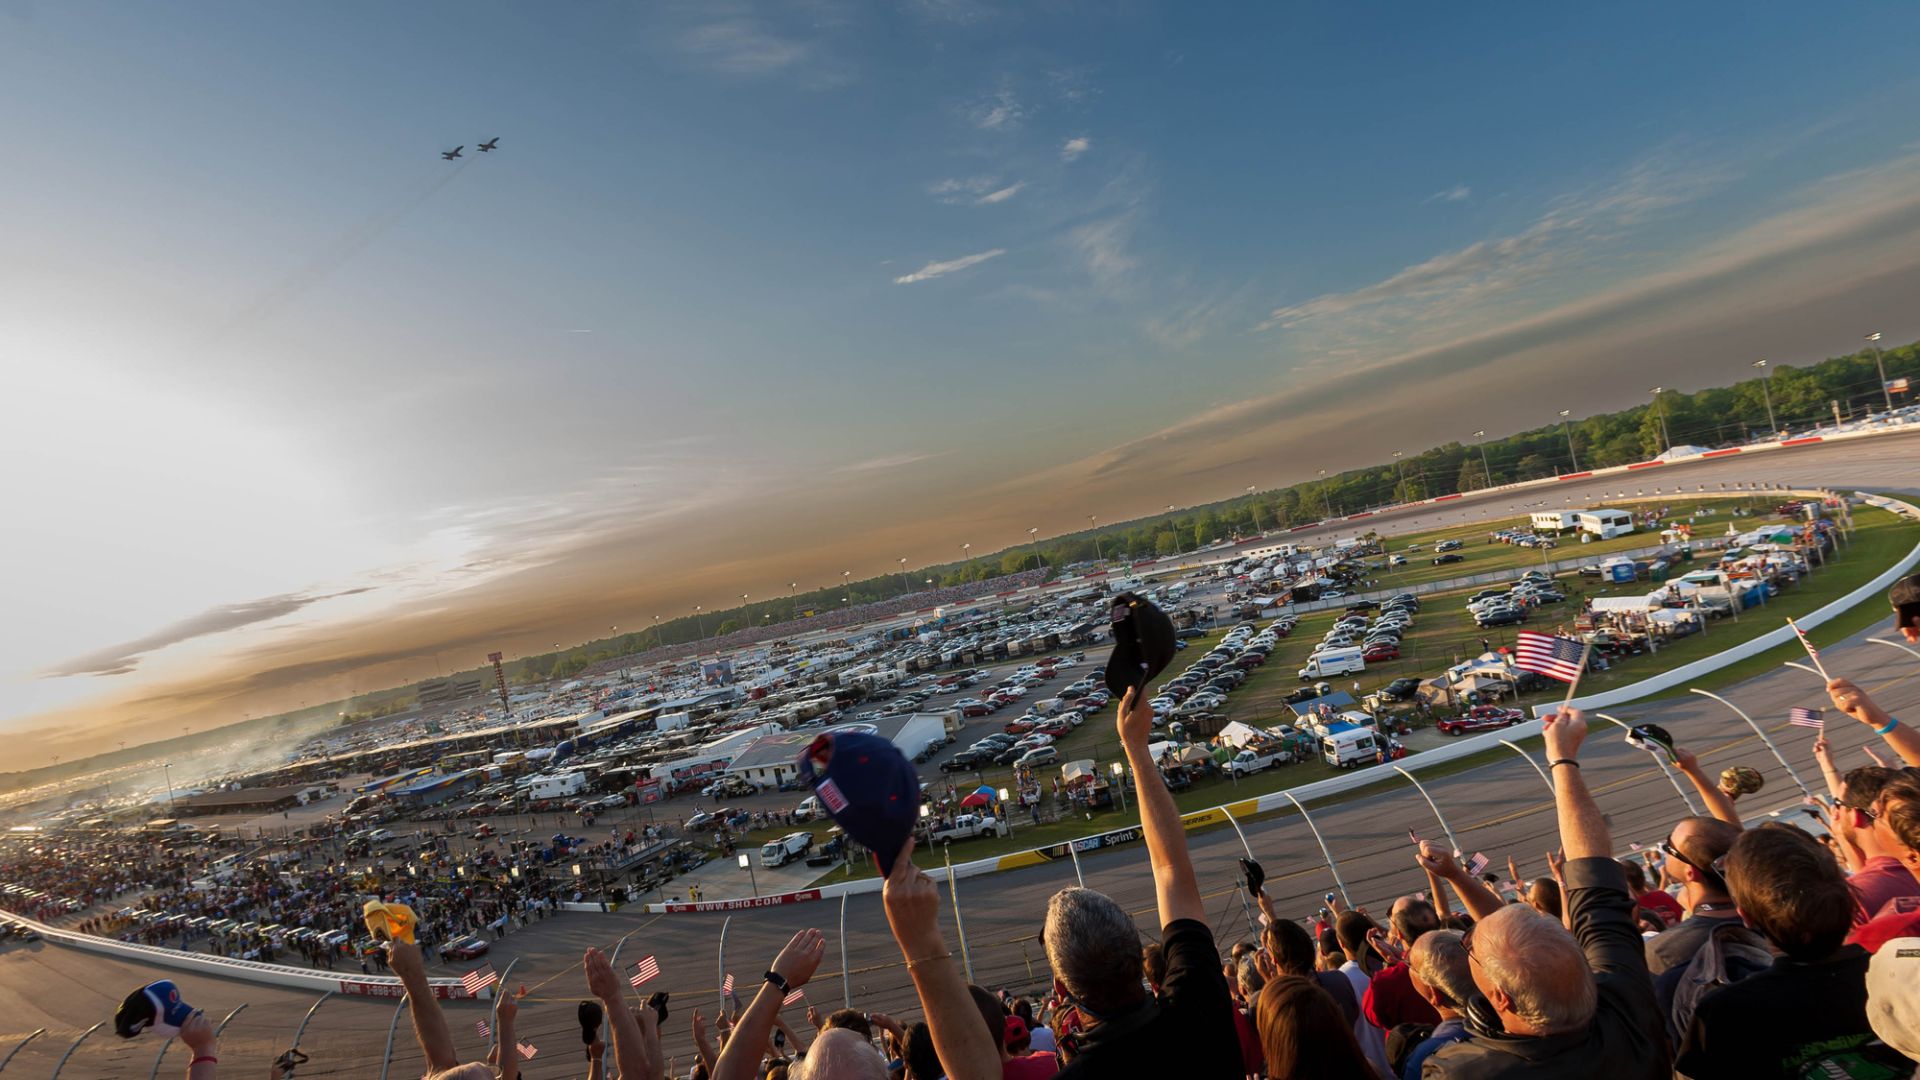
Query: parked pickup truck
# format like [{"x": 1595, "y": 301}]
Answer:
[
  {"x": 967, "y": 826},
  {"x": 1247, "y": 762}
]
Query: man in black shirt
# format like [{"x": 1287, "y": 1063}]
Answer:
[
  {"x": 1807, "y": 1014},
  {"x": 1188, "y": 1031}
]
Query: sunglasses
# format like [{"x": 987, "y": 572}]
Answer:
[{"x": 1466, "y": 940}]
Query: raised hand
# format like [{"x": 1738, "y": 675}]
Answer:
[
  {"x": 601, "y": 980},
  {"x": 1437, "y": 859},
  {"x": 801, "y": 958},
  {"x": 1564, "y": 731},
  {"x": 1134, "y": 717}
]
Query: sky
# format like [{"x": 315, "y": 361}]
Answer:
[{"x": 753, "y": 293}]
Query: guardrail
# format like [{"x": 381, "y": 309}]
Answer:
[
  {"x": 1468, "y": 746},
  {"x": 245, "y": 970}
]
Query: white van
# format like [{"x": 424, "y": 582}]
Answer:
[
  {"x": 1346, "y": 749},
  {"x": 1334, "y": 662}
]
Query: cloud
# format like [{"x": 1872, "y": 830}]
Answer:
[
  {"x": 941, "y": 269},
  {"x": 741, "y": 46},
  {"x": 892, "y": 461},
  {"x": 974, "y": 190},
  {"x": 1001, "y": 195},
  {"x": 1447, "y": 284},
  {"x": 1102, "y": 247},
  {"x": 1074, "y": 147},
  {"x": 125, "y": 657},
  {"x": 1000, "y": 112},
  {"x": 1456, "y": 193}
]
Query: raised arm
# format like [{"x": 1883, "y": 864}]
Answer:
[
  {"x": 629, "y": 1046},
  {"x": 197, "y": 1034},
  {"x": 740, "y": 1060},
  {"x": 912, "y": 901},
  {"x": 1583, "y": 830},
  {"x": 508, "y": 1047},
  {"x": 1853, "y": 701},
  {"x": 1823, "y": 753},
  {"x": 1439, "y": 862},
  {"x": 429, "y": 1026},
  {"x": 701, "y": 1047},
  {"x": 1173, "y": 879},
  {"x": 1718, "y": 803}
]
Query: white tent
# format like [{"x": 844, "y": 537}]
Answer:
[
  {"x": 1237, "y": 734},
  {"x": 1627, "y": 603}
]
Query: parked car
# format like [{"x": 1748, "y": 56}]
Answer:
[
  {"x": 1039, "y": 755},
  {"x": 1400, "y": 689},
  {"x": 1450, "y": 557},
  {"x": 466, "y": 948},
  {"x": 1481, "y": 718}
]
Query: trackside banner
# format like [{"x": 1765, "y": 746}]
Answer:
[{"x": 775, "y": 900}]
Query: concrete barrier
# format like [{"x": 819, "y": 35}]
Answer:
[{"x": 253, "y": 971}]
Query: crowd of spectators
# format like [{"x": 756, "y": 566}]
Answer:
[{"x": 1728, "y": 952}]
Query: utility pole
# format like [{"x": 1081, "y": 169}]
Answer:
[
  {"x": 1766, "y": 393},
  {"x": 1873, "y": 340}
]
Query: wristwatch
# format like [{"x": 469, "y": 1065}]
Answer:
[{"x": 778, "y": 982}]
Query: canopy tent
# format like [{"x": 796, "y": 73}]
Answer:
[
  {"x": 976, "y": 799},
  {"x": 1238, "y": 735},
  {"x": 1079, "y": 772}
]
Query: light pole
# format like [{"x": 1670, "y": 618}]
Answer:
[
  {"x": 1120, "y": 783},
  {"x": 1006, "y": 814},
  {"x": 699, "y": 624},
  {"x": 1873, "y": 340},
  {"x": 965, "y": 558},
  {"x": 167, "y": 768},
  {"x": 1660, "y": 410},
  {"x": 1402, "y": 467},
  {"x": 1032, "y": 532},
  {"x": 746, "y": 863},
  {"x": 793, "y": 605},
  {"x": 1325, "y": 499},
  {"x": 1766, "y": 394},
  {"x": 1567, "y": 429},
  {"x": 905, "y": 585},
  {"x": 1093, "y": 524},
  {"x": 1486, "y": 474}
]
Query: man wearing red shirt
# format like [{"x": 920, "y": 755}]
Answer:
[
  {"x": 1390, "y": 999},
  {"x": 1658, "y": 901},
  {"x": 1895, "y": 816}
]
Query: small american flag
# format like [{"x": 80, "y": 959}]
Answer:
[
  {"x": 481, "y": 1027},
  {"x": 1813, "y": 654},
  {"x": 792, "y": 997},
  {"x": 1813, "y": 718},
  {"x": 646, "y": 969},
  {"x": 479, "y": 979},
  {"x": 1477, "y": 865},
  {"x": 1545, "y": 654},
  {"x": 726, "y": 984},
  {"x": 527, "y": 1050}
]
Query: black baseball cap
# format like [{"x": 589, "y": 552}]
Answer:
[
  {"x": 1905, "y": 598},
  {"x": 1142, "y": 644}
]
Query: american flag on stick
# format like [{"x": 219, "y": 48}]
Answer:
[
  {"x": 1812, "y": 653},
  {"x": 726, "y": 985},
  {"x": 792, "y": 997},
  {"x": 647, "y": 968},
  {"x": 479, "y": 979},
  {"x": 1545, "y": 654},
  {"x": 1813, "y": 718},
  {"x": 527, "y": 1050},
  {"x": 481, "y": 1027}
]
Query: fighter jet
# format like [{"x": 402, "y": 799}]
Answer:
[
  {"x": 449, "y": 155},
  {"x": 490, "y": 144}
]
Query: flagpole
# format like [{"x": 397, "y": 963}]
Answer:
[{"x": 1808, "y": 645}]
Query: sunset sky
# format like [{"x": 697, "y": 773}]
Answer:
[{"x": 754, "y": 293}]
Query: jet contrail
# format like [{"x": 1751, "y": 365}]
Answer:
[{"x": 334, "y": 255}]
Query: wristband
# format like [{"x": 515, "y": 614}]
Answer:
[
  {"x": 1557, "y": 762},
  {"x": 777, "y": 980},
  {"x": 203, "y": 1059},
  {"x": 928, "y": 959},
  {"x": 1891, "y": 724}
]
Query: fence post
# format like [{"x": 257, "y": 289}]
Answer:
[
  {"x": 1452, "y": 840},
  {"x": 1894, "y": 644},
  {"x": 959, "y": 924},
  {"x": 720, "y": 980},
  {"x": 1544, "y": 778},
  {"x": 32, "y": 1035},
  {"x": 493, "y": 1010},
  {"x": 1804, "y": 789},
  {"x": 1332, "y": 867},
  {"x": 1659, "y": 763},
  {"x": 168, "y": 1045},
  {"x": 386, "y": 1060},
  {"x": 75, "y": 1046},
  {"x": 846, "y": 975}
]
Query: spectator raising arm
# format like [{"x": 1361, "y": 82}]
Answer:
[
  {"x": 507, "y": 1045},
  {"x": 740, "y": 1059},
  {"x": 429, "y": 1026},
  {"x": 1717, "y": 802},
  {"x": 1823, "y": 753},
  {"x": 197, "y": 1033},
  {"x": 1853, "y": 701},
  {"x": 629, "y": 1045},
  {"x": 912, "y": 900},
  {"x": 1177, "y": 889},
  {"x": 1438, "y": 862},
  {"x": 701, "y": 1047}
]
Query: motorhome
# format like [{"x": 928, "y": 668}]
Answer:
[
  {"x": 1348, "y": 747},
  {"x": 557, "y": 787},
  {"x": 1605, "y": 524},
  {"x": 1338, "y": 661}
]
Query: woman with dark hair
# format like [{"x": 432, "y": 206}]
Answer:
[{"x": 1304, "y": 1035}]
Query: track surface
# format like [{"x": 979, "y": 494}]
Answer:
[{"x": 1501, "y": 808}]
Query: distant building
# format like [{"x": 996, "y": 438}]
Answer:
[
  {"x": 445, "y": 691},
  {"x": 259, "y": 800},
  {"x": 773, "y": 758}
]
